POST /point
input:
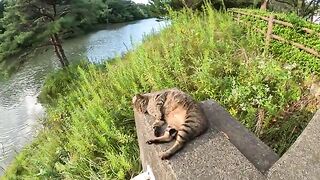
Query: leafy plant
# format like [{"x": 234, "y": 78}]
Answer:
[
  {"x": 90, "y": 133},
  {"x": 285, "y": 52}
]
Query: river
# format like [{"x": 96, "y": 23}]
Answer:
[{"x": 19, "y": 107}]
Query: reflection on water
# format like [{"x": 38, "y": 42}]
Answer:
[
  {"x": 112, "y": 41},
  {"x": 19, "y": 108}
]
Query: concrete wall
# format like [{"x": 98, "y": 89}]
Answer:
[{"x": 229, "y": 151}]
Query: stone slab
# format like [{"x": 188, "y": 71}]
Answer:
[
  {"x": 210, "y": 156},
  {"x": 258, "y": 153}
]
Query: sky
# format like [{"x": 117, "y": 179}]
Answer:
[{"x": 141, "y": 1}]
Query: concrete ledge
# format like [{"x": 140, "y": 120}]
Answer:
[
  {"x": 302, "y": 160},
  {"x": 258, "y": 153},
  {"x": 210, "y": 156}
]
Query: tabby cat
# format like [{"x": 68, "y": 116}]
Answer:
[{"x": 183, "y": 116}]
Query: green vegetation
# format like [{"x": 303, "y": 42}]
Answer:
[
  {"x": 1, "y": 15},
  {"x": 38, "y": 23},
  {"x": 285, "y": 52},
  {"x": 27, "y": 25},
  {"x": 89, "y": 131},
  {"x": 124, "y": 10},
  {"x": 303, "y": 8},
  {"x": 160, "y": 6},
  {"x": 286, "y": 126}
]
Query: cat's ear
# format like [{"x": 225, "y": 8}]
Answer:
[{"x": 140, "y": 96}]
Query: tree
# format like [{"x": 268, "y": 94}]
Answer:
[
  {"x": 30, "y": 23},
  {"x": 1, "y": 15},
  {"x": 236, "y": 3},
  {"x": 36, "y": 23},
  {"x": 1, "y": 9},
  {"x": 304, "y": 8},
  {"x": 196, "y": 4},
  {"x": 123, "y": 10},
  {"x": 158, "y": 7}
]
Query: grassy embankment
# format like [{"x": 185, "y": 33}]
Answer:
[{"x": 90, "y": 132}]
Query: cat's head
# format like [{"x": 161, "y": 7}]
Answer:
[{"x": 140, "y": 103}]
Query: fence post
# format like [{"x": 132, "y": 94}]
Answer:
[
  {"x": 238, "y": 18},
  {"x": 269, "y": 31}
]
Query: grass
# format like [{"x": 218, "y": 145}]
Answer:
[
  {"x": 90, "y": 133},
  {"x": 284, "y": 51}
]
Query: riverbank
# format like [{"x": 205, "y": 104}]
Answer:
[
  {"x": 19, "y": 106},
  {"x": 82, "y": 18},
  {"x": 89, "y": 131},
  {"x": 13, "y": 63}
]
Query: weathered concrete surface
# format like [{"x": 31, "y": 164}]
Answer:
[
  {"x": 149, "y": 154},
  {"x": 302, "y": 160},
  {"x": 258, "y": 153},
  {"x": 210, "y": 156}
]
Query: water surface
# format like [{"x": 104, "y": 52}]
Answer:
[{"x": 19, "y": 107}]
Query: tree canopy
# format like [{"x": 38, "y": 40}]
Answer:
[
  {"x": 123, "y": 10},
  {"x": 1, "y": 15},
  {"x": 37, "y": 23},
  {"x": 1, "y": 8},
  {"x": 33, "y": 23},
  {"x": 304, "y": 8},
  {"x": 177, "y": 4},
  {"x": 28, "y": 23}
]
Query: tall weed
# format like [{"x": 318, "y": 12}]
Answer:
[{"x": 90, "y": 132}]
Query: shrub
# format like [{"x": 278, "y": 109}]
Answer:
[
  {"x": 90, "y": 133},
  {"x": 285, "y": 52}
]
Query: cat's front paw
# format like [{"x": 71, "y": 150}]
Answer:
[{"x": 165, "y": 156}]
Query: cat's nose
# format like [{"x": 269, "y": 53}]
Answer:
[{"x": 157, "y": 131}]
